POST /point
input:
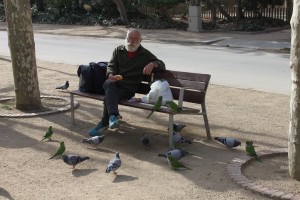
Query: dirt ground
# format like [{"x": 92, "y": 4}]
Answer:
[{"x": 27, "y": 173}]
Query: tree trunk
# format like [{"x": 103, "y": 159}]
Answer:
[
  {"x": 213, "y": 12},
  {"x": 289, "y": 9},
  {"x": 294, "y": 128},
  {"x": 223, "y": 12},
  {"x": 122, "y": 10},
  {"x": 239, "y": 10},
  {"x": 22, "y": 50}
]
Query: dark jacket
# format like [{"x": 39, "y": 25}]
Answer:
[{"x": 131, "y": 69}]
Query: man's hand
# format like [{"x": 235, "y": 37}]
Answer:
[
  {"x": 148, "y": 68},
  {"x": 114, "y": 77}
]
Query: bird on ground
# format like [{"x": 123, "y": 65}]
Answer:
[
  {"x": 228, "y": 142},
  {"x": 73, "y": 160},
  {"x": 177, "y": 138},
  {"x": 146, "y": 141},
  {"x": 61, "y": 149},
  {"x": 173, "y": 106},
  {"x": 96, "y": 140},
  {"x": 48, "y": 134},
  {"x": 250, "y": 149},
  {"x": 175, "y": 164},
  {"x": 156, "y": 106},
  {"x": 175, "y": 153},
  {"x": 63, "y": 86},
  {"x": 114, "y": 164},
  {"x": 178, "y": 127}
]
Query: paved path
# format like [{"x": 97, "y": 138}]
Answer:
[{"x": 276, "y": 39}]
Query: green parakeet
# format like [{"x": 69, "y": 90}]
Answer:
[
  {"x": 156, "y": 106},
  {"x": 175, "y": 164},
  {"x": 61, "y": 149},
  {"x": 250, "y": 149},
  {"x": 48, "y": 134},
  {"x": 173, "y": 106}
]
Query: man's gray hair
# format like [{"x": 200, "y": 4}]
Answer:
[{"x": 134, "y": 30}]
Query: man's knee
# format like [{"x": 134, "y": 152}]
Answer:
[{"x": 109, "y": 84}]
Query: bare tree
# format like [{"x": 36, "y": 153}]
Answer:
[
  {"x": 122, "y": 10},
  {"x": 294, "y": 128},
  {"x": 22, "y": 50}
]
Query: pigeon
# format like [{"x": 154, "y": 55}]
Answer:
[
  {"x": 48, "y": 134},
  {"x": 73, "y": 159},
  {"x": 177, "y": 138},
  {"x": 146, "y": 141},
  {"x": 175, "y": 153},
  {"x": 175, "y": 164},
  {"x": 173, "y": 106},
  {"x": 250, "y": 149},
  {"x": 96, "y": 140},
  {"x": 228, "y": 142},
  {"x": 156, "y": 106},
  {"x": 178, "y": 127},
  {"x": 114, "y": 164},
  {"x": 63, "y": 86},
  {"x": 61, "y": 149}
]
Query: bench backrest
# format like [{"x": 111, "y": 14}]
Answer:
[{"x": 195, "y": 85}]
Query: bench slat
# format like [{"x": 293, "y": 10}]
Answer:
[
  {"x": 140, "y": 105},
  {"x": 189, "y": 95},
  {"x": 182, "y": 75},
  {"x": 187, "y": 84}
]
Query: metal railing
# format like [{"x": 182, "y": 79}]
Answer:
[{"x": 277, "y": 12}]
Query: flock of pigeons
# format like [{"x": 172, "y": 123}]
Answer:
[{"x": 173, "y": 156}]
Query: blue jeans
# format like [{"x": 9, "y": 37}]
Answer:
[{"x": 113, "y": 94}]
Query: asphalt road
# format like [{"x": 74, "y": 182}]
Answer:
[{"x": 234, "y": 67}]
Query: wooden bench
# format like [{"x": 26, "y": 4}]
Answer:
[{"x": 185, "y": 87}]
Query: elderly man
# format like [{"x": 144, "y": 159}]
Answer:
[{"x": 125, "y": 72}]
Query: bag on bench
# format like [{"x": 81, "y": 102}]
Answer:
[{"x": 92, "y": 77}]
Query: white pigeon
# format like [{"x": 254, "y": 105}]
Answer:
[
  {"x": 114, "y": 164},
  {"x": 96, "y": 140}
]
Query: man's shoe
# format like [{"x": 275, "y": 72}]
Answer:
[
  {"x": 113, "y": 122},
  {"x": 97, "y": 131}
]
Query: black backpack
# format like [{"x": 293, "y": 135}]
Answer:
[{"x": 92, "y": 77}]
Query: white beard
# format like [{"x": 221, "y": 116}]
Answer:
[{"x": 131, "y": 47}]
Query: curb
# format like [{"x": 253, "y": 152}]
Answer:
[
  {"x": 234, "y": 170},
  {"x": 52, "y": 110}
]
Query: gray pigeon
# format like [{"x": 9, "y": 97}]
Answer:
[
  {"x": 178, "y": 127},
  {"x": 96, "y": 140},
  {"x": 175, "y": 153},
  {"x": 73, "y": 159},
  {"x": 228, "y": 142},
  {"x": 177, "y": 138},
  {"x": 114, "y": 164},
  {"x": 145, "y": 141},
  {"x": 64, "y": 86}
]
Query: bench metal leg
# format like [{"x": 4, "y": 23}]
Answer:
[
  {"x": 72, "y": 109},
  {"x": 206, "y": 121},
  {"x": 171, "y": 121}
]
